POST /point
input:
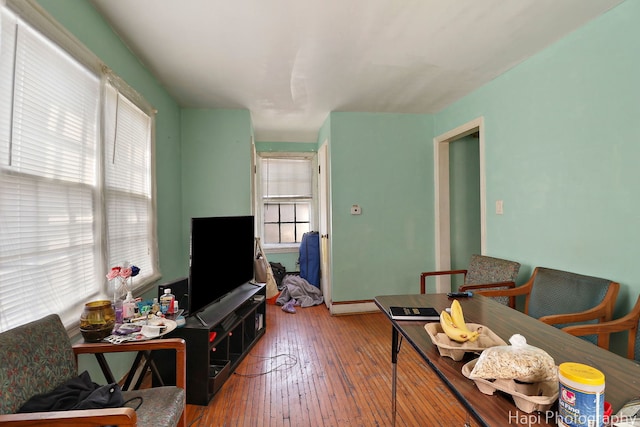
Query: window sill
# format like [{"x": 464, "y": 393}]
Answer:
[{"x": 280, "y": 249}]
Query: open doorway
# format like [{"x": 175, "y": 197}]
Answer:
[{"x": 442, "y": 170}]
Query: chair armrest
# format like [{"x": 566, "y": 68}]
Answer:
[
  {"x": 507, "y": 284},
  {"x": 511, "y": 292},
  {"x": 424, "y": 275},
  {"x": 628, "y": 323},
  {"x": 612, "y": 326},
  {"x": 85, "y": 418},
  {"x": 177, "y": 344},
  {"x": 582, "y": 316},
  {"x": 504, "y": 285}
]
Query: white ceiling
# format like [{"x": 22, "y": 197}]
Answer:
[{"x": 291, "y": 62}]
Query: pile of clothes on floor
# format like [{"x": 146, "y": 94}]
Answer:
[
  {"x": 301, "y": 290},
  {"x": 295, "y": 291}
]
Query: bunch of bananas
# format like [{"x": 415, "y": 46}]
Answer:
[{"x": 454, "y": 325}]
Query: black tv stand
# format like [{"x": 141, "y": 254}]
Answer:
[
  {"x": 202, "y": 321},
  {"x": 218, "y": 338}
]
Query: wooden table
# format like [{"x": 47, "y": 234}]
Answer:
[{"x": 622, "y": 376}]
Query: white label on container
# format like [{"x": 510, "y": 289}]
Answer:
[{"x": 579, "y": 408}]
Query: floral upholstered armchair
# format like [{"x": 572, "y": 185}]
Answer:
[
  {"x": 38, "y": 357},
  {"x": 483, "y": 272}
]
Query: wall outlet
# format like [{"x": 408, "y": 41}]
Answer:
[{"x": 355, "y": 210}]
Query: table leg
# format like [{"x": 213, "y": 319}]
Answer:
[
  {"x": 394, "y": 372},
  {"x": 149, "y": 364},
  {"x": 132, "y": 371},
  {"x": 155, "y": 372},
  {"x": 106, "y": 370}
]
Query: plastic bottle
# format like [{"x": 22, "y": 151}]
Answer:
[
  {"x": 166, "y": 302},
  {"x": 128, "y": 307},
  {"x": 581, "y": 395},
  {"x": 118, "y": 308},
  {"x": 155, "y": 307}
]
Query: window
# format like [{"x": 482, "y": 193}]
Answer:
[
  {"x": 287, "y": 198},
  {"x": 130, "y": 225},
  {"x": 75, "y": 177}
]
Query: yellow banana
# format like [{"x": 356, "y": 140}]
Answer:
[
  {"x": 454, "y": 325},
  {"x": 456, "y": 314},
  {"x": 452, "y": 331}
]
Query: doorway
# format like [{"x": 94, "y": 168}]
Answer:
[{"x": 442, "y": 170}]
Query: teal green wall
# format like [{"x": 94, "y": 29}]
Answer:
[
  {"x": 562, "y": 146},
  {"x": 384, "y": 163},
  {"x": 288, "y": 259},
  {"x": 216, "y": 164}
]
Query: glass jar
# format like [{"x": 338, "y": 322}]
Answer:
[{"x": 97, "y": 320}]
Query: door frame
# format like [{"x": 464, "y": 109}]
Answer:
[
  {"x": 324, "y": 222},
  {"x": 442, "y": 199}
]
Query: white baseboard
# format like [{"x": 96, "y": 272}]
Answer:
[{"x": 355, "y": 308}]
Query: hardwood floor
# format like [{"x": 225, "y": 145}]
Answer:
[{"x": 312, "y": 369}]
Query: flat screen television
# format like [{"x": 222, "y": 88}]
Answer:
[{"x": 221, "y": 258}]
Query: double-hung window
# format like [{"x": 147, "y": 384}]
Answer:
[
  {"x": 287, "y": 193},
  {"x": 75, "y": 174}
]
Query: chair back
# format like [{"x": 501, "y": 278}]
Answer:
[
  {"x": 556, "y": 291},
  {"x": 485, "y": 269},
  {"x": 35, "y": 358}
]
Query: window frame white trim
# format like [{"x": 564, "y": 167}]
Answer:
[{"x": 313, "y": 223}]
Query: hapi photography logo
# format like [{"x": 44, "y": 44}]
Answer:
[
  {"x": 523, "y": 418},
  {"x": 550, "y": 417}
]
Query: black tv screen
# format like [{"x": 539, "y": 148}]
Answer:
[{"x": 222, "y": 253}]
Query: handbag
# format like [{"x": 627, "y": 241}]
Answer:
[
  {"x": 260, "y": 267},
  {"x": 262, "y": 271},
  {"x": 259, "y": 264}
]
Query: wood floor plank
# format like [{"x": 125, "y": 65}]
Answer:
[{"x": 313, "y": 369}]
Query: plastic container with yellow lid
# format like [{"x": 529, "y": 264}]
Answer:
[{"x": 581, "y": 396}]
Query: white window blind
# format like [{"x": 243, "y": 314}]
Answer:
[
  {"x": 128, "y": 190},
  {"x": 67, "y": 212},
  {"x": 287, "y": 199},
  {"x": 286, "y": 177}
]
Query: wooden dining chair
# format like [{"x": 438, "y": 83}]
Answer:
[
  {"x": 483, "y": 272},
  {"x": 561, "y": 298},
  {"x": 627, "y": 323}
]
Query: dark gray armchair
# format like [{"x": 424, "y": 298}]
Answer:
[{"x": 562, "y": 298}]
